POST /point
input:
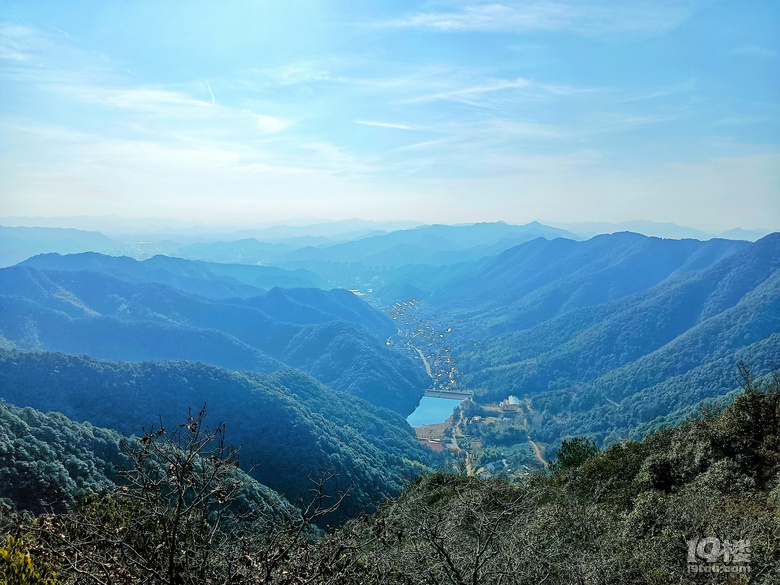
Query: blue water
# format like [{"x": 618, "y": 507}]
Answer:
[{"x": 431, "y": 411}]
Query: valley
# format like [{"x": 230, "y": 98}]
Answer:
[
  {"x": 484, "y": 365},
  {"x": 432, "y": 292}
]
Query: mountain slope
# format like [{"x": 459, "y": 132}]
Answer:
[
  {"x": 49, "y": 463},
  {"x": 537, "y": 280},
  {"x": 202, "y": 278},
  {"x": 582, "y": 344},
  {"x": 337, "y": 336},
  {"x": 287, "y": 422},
  {"x": 432, "y": 244}
]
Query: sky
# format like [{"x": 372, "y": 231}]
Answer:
[{"x": 451, "y": 111}]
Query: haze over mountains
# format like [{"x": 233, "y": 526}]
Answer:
[
  {"x": 383, "y": 243},
  {"x": 608, "y": 337}
]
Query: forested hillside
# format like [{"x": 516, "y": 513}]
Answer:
[
  {"x": 605, "y": 336},
  {"x": 209, "y": 279},
  {"x": 50, "y": 463},
  {"x": 581, "y": 344},
  {"x": 696, "y": 504},
  {"x": 623, "y": 515},
  {"x": 632, "y": 360},
  {"x": 331, "y": 334},
  {"x": 287, "y": 422}
]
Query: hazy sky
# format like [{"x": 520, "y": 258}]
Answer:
[{"x": 450, "y": 110}]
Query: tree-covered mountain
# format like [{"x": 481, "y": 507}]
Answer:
[
  {"x": 287, "y": 422},
  {"x": 331, "y": 334},
  {"x": 430, "y": 244},
  {"x": 208, "y": 279},
  {"x": 543, "y": 277},
  {"x": 603, "y": 336},
  {"x": 580, "y": 338},
  {"x": 50, "y": 463},
  {"x": 696, "y": 504}
]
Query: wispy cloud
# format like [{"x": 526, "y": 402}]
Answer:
[
  {"x": 139, "y": 99},
  {"x": 742, "y": 120},
  {"x": 615, "y": 122},
  {"x": 54, "y": 28},
  {"x": 90, "y": 165},
  {"x": 294, "y": 74},
  {"x": 595, "y": 18},
  {"x": 652, "y": 93},
  {"x": 388, "y": 125},
  {"x": 758, "y": 52},
  {"x": 468, "y": 93},
  {"x": 268, "y": 124},
  {"x": 19, "y": 43}
]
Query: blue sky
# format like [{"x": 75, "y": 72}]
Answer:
[{"x": 449, "y": 111}]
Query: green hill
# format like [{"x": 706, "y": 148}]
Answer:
[
  {"x": 287, "y": 422},
  {"x": 695, "y": 504},
  {"x": 208, "y": 279},
  {"x": 331, "y": 334}
]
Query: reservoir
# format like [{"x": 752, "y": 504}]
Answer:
[{"x": 432, "y": 411}]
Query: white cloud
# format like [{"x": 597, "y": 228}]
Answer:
[
  {"x": 758, "y": 52},
  {"x": 139, "y": 99},
  {"x": 387, "y": 125},
  {"x": 472, "y": 93},
  {"x": 592, "y": 18},
  {"x": 614, "y": 122},
  {"x": 78, "y": 173},
  {"x": 268, "y": 124},
  {"x": 19, "y": 43}
]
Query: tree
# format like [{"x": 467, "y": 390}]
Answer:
[
  {"x": 186, "y": 515},
  {"x": 168, "y": 523},
  {"x": 573, "y": 453}
]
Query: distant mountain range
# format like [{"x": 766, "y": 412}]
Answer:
[
  {"x": 19, "y": 243},
  {"x": 435, "y": 244},
  {"x": 659, "y": 230},
  {"x": 603, "y": 337},
  {"x": 373, "y": 244},
  {"x": 170, "y": 227},
  {"x": 209, "y": 279}
]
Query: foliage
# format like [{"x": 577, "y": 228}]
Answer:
[
  {"x": 48, "y": 462},
  {"x": 108, "y": 314},
  {"x": 183, "y": 515},
  {"x": 18, "y": 568},
  {"x": 622, "y": 515},
  {"x": 287, "y": 422},
  {"x": 618, "y": 516},
  {"x": 573, "y": 453}
]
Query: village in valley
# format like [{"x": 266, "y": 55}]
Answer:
[{"x": 485, "y": 440}]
